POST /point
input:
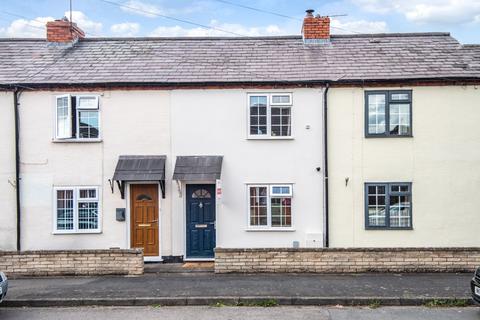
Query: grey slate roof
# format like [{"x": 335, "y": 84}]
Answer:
[
  {"x": 223, "y": 60},
  {"x": 140, "y": 168},
  {"x": 198, "y": 168}
]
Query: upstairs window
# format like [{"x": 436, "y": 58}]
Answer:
[
  {"x": 388, "y": 113},
  {"x": 270, "y": 115},
  {"x": 77, "y": 117}
]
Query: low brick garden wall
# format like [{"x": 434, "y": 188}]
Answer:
[
  {"x": 71, "y": 262},
  {"x": 345, "y": 260}
]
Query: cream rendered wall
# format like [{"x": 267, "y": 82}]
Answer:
[
  {"x": 442, "y": 160},
  {"x": 132, "y": 122},
  {"x": 8, "y": 216},
  {"x": 214, "y": 122}
]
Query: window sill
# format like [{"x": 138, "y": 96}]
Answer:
[
  {"x": 70, "y": 232},
  {"x": 389, "y": 229},
  {"x": 270, "y": 138},
  {"x": 77, "y": 140},
  {"x": 270, "y": 229},
  {"x": 369, "y": 136}
]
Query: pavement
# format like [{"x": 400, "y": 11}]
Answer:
[
  {"x": 181, "y": 289},
  {"x": 241, "y": 313}
]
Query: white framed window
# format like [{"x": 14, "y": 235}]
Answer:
[
  {"x": 270, "y": 206},
  {"x": 77, "y": 117},
  {"x": 270, "y": 115},
  {"x": 281, "y": 99},
  {"x": 77, "y": 210},
  {"x": 87, "y": 102},
  {"x": 63, "y": 113}
]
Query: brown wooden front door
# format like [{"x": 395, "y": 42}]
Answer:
[{"x": 144, "y": 218}]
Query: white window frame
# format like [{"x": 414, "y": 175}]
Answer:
[
  {"x": 290, "y": 103},
  {"x": 269, "y": 187},
  {"x": 69, "y": 116},
  {"x": 282, "y": 195},
  {"x": 76, "y": 200},
  {"x": 268, "y": 135},
  {"x": 76, "y": 136},
  {"x": 79, "y": 97}
]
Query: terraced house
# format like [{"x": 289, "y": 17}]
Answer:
[{"x": 183, "y": 145}]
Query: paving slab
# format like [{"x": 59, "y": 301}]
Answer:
[{"x": 206, "y": 288}]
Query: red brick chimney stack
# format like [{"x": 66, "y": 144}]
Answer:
[
  {"x": 63, "y": 31},
  {"x": 315, "y": 29}
]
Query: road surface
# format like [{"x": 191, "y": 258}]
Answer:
[{"x": 241, "y": 313}]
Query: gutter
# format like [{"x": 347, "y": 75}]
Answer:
[
  {"x": 280, "y": 83},
  {"x": 326, "y": 240},
  {"x": 16, "y": 96}
]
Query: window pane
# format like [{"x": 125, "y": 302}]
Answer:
[
  {"x": 281, "y": 125},
  {"x": 63, "y": 125},
  {"x": 87, "y": 215},
  {"x": 64, "y": 209},
  {"x": 258, "y": 206},
  {"x": 281, "y": 212},
  {"x": 376, "y": 113},
  {"x": 399, "y": 119},
  {"x": 280, "y": 190},
  {"x": 399, "y": 96},
  {"x": 376, "y": 206},
  {"x": 258, "y": 115},
  {"x": 88, "y": 193},
  {"x": 88, "y": 102},
  {"x": 281, "y": 99},
  {"x": 400, "y": 211},
  {"x": 88, "y": 124}
]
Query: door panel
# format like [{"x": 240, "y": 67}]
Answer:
[
  {"x": 144, "y": 218},
  {"x": 200, "y": 220}
]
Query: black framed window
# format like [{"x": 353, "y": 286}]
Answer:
[
  {"x": 388, "y": 113},
  {"x": 388, "y": 205}
]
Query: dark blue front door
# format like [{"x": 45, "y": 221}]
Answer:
[{"x": 200, "y": 220}]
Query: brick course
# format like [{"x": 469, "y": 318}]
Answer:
[
  {"x": 347, "y": 260},
  {"x": 72, "y": 262}
]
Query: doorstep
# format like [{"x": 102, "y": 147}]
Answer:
[{"x": 188, "y": 267}]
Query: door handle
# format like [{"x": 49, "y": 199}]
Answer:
[{"x": 153, "y": 221}]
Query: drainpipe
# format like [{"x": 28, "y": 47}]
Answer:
[
  {"x": 16, "y": 96},
  {"x": 325, "y": 167}
]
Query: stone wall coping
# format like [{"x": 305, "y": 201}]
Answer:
[
  {"x": 396, "y": 249},
  {"x": 54, "y": 252}
]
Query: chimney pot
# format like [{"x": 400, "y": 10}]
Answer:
[{"x": 309, "y": 12}]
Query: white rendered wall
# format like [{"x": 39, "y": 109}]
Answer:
[
  {"x": 8, "y": 216},
  {"x": 214, "y": 122},
  {"x": 132, "y": 122}
]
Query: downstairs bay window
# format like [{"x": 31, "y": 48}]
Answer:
[
  {"x": 77, "y": 210},
  {"x": 270, "y": 206}
]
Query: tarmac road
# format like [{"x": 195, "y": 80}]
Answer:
[{"x": 241, "y": 313}]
